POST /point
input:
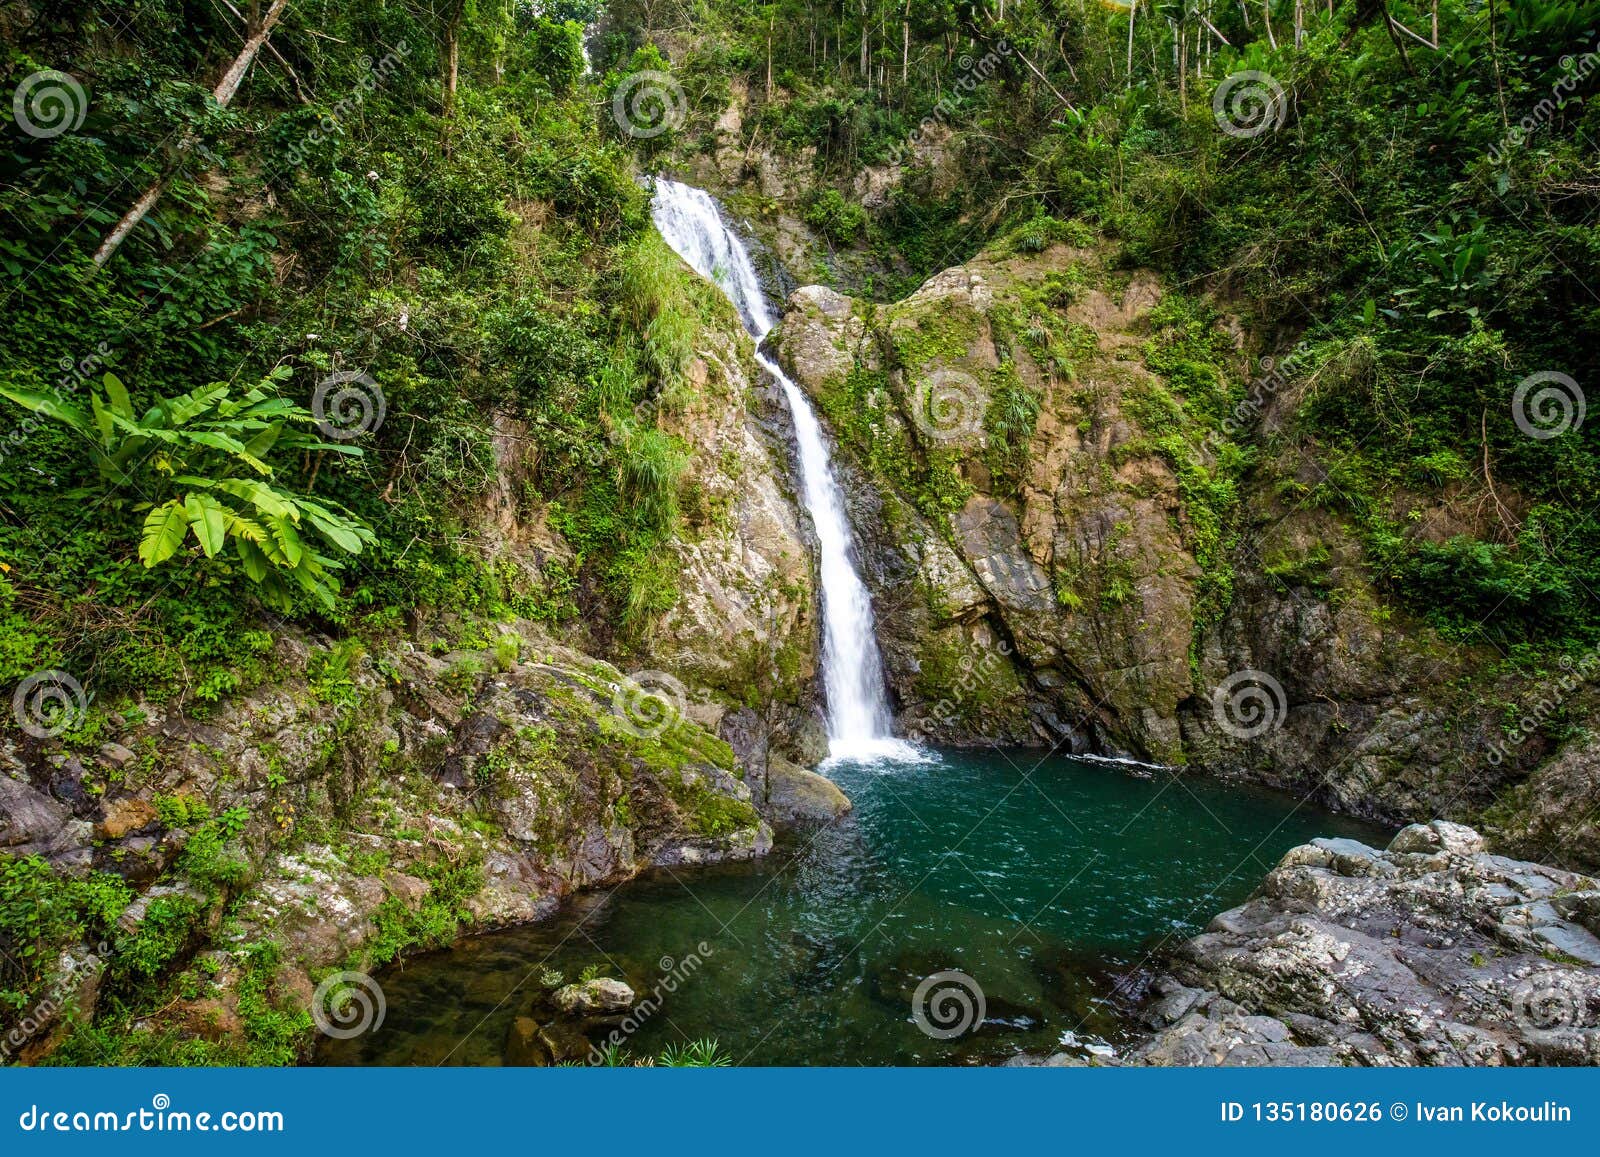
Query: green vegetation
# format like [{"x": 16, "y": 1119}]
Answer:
[
  {"x": 208, "y": 450},
  {"x": 400, "y": 294},
  {"x": 437, "y": 921},
  {"x": 403, "y": 265}
]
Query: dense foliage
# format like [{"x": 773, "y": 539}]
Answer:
[
  {"x": 409, "y": 226},
  {"x": 1399, "y": 194}
]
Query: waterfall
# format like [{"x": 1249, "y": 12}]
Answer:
[{"x": 852, "y": 669}]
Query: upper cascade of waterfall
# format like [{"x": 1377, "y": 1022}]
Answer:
[
  {"x": 859, "y": 721},
  {"x": 691, "y": 221}
]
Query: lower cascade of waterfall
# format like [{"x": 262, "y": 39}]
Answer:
[{"x": 859, "y": 723}]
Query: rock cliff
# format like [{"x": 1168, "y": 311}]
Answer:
[{"x": 1072, "y": 541}]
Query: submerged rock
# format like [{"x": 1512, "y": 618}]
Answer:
[{"x": 524, "y": 1048}]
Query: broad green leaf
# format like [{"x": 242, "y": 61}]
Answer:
[
  {"x": 50, "y": 406},
  {"x": 164, "y": 528},
  {"x": 208, "y": 520},
  {"x": 216, "y": 441},
  {"x": 343, "y": 536},
  {"x": 183, "y": 409},
  {"x": 261, "y": 445},
  {"x": 263, "y": 497},
  {"x": 288, "y": 539},
  {"x": 256, "y": 565},
  {"x": 118, "y": 393},
  {"x": 102, "y": 420}
]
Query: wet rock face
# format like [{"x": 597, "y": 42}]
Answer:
[
  {"x": 746, "y": 605},
  {"x": 32, "y": 823},
  {"x": 1433, "y": 952},
  {"x": 1055, "y": 563},
  {"x": 1051, "y": 590}
]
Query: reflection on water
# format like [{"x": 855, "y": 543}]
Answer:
[{"x": 1047, "y": 883}]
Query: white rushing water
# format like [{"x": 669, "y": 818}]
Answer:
[{"x": 852, "y": 669}]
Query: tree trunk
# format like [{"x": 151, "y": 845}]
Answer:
[
  {"x": 452, "y": 57},
  {"x": 1133, "y": 6},
  {"x": 222, "y": 94}
]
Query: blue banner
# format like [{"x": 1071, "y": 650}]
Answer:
[{"x": 790, "y": 1111}]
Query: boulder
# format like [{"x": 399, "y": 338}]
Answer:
[
  {"x": 593, "y": 997},
  {"x": 125, "y": 815},
  {"x": 1432, "y": 952},
  {"x": 797, "y": 796},
  {"x": 33, "y": 824},
  {"x": 524, "y": 1047}
]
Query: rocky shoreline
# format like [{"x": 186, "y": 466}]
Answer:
[{"x": 1431, "y": 952}]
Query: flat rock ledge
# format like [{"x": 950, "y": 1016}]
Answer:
[{"x": 1433, "y": 952}]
